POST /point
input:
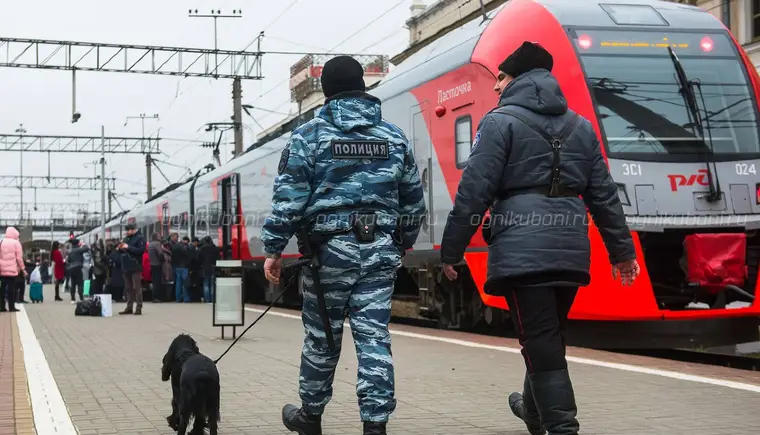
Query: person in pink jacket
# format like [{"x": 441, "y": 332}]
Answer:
[{"x": 11, "y": 265}]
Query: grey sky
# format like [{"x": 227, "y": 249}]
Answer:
[{"x": 41, "y": 99}]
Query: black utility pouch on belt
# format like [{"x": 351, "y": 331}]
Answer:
[{"x": 364, "y": 227}]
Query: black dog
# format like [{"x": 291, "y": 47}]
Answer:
[{"x": 195, "y": 387}]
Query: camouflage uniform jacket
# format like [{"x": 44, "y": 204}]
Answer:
[{"x": 319, "y": 184}]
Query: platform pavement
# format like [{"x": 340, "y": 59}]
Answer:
[{"x": 108, "y": 373}]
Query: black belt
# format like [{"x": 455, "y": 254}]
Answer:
[
  {"x": 561, "y": 192},
  {"x": 363, "y": 223}
]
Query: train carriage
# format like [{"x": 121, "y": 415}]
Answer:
[
  {"x": 673, "y": 99},
  {"x": 614, "y": 66}
]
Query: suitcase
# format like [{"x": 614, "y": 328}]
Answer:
[{"x": 35, "y": 292}]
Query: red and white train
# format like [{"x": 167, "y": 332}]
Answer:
[{"x": 681, "y": 139}]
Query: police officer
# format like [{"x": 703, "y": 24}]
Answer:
[
  {"x": 537, "y": 165},
  {"x": 349, "y": 177}
]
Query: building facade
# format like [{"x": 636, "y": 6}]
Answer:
[
  {"x": 430, "y": 22},
  {"x": 741, "y": 16}
]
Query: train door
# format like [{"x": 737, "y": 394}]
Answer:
[
  {"x": 423, "y": 156},
  {"x": 231, "y": 221}
]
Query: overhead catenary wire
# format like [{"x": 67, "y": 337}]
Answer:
[
  {"x": 361, "y": 29},
  {"x": 379, "y": 41},
  {"x": 184, "y": 144},
  {"x": 178, "y": 94}
]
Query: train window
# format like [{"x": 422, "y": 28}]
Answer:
[
  {"x": 463, "y": 137},
  {"x": 214, "y": 214},
  {"x": 165, "y": 220},
  {"x": 755, "y": 20},
  {"x": 642, "y": 109},
  {"x": 183, "y": 226},
  {"x": 201, "y": 222}
]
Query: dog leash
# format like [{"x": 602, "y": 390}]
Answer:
[{"x": 297, "y": 263}]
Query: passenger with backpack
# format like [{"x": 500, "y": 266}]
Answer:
[{"x": 533, "y": 158}]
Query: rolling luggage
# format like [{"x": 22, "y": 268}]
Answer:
[
  {"x": 35, "y": 286},
  {"x": 35, "y": 292}
]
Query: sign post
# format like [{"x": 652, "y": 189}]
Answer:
[{"x": 228, "y": 307}]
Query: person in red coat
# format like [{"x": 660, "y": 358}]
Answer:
[
  {"x": 58, "y": 269},
  {"x": 146, "y": 278}
]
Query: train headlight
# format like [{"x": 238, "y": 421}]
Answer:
[
  {"x": 584, "y": 42},
  {"x": 706, "y": 44},
  {"x": 623, "y": 194},
  {"x": 757, "y": 193}
]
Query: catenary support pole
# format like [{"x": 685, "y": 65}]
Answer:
[
  {"x": 21, "y": 131},
  {"x": 148, "y": 178},
  {"x": 237, "y": 115},
  {"x": 103, "y": 184},
  {"x": 146, "y": 150}
]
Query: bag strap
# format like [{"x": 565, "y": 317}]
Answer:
[
  {"x": 555, "y": 142},
  {"x": 566, "y": 132}
]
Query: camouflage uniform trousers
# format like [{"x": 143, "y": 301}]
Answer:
[{"x": 358, "y": 282}]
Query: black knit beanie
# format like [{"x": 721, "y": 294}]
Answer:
[
  {"x": 529, "y": 56},
  {"x": 341, "y": 74}
]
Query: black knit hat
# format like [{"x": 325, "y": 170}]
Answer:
[
  {"x": 341, "y": 74},
  {"x": 529, "y": 56}
]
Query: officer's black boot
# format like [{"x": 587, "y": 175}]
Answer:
[
  {"x": 555, "y": 401},
  {"x": 372, "y": 428},
  {"x": 524, "y": 407},
  {"x": 298, "y": 420}
]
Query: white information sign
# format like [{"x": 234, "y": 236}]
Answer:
[
  {"x": 228, "y": 306},
  {"x": 229, "y": 298}
]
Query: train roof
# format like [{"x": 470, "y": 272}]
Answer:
[
  {"x": 595, "y": 13},
  {"x": 455, "y": 48}
]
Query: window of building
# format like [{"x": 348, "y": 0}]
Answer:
[
  {"x": 755, "y": 19},
  {"x": 463, "y": 135}
]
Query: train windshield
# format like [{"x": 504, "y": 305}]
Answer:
[{"x": 641, "y": 103}]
